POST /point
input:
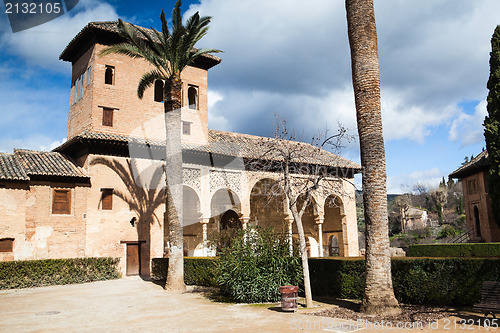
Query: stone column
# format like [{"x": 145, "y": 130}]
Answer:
[
  {"x": 204, "y": 223},
  {"x": 244, "y": 221},
  {"x": 319, "y": 223}
]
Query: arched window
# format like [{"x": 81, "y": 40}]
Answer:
[
  {"x": 477, "y": 222},
  {"x": 159, "y": 91},
  {"x": 109, "y": 75},
  {"x": 89, "y": 70},
  {"x": 193, "y": 97}
]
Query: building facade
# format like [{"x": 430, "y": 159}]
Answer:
[
  {"x": 477, "y": 202},
  {"x": 101, "y": 193}
]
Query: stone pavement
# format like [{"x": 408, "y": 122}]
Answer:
[{"x": 133, "y": 305}]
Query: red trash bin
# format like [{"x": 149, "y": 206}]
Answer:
[{"x": 289, "y": 298}]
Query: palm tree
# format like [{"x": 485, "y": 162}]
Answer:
[
  {"x": 169, "y": 52},
  {"x": 379, "y": 294}
]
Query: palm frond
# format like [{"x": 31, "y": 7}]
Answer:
[
  {"x": 147, "y": 80},
  {"x": 169, "y": 51}
]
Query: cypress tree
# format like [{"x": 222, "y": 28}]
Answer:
[{"x": 492, "y": 125}]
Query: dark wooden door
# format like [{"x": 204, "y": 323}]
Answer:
[{"x": 133, "y": 265}]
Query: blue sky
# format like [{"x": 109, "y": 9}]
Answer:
[{"x": 289, "y": 57}]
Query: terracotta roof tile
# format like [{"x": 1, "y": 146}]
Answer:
[
  {"x": 231, "y": 144},
  {"x": 112, "y": 27},
  {"x": 11, "y": 169},
  {"x": 480, "y": 162},
  {"x": 42, "y": 163}
]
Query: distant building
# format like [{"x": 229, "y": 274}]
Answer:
[
  {"x": 477, "y": 202},
  {"x": 415, "y": 219}
]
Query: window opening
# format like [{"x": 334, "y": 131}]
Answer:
[
  {"x": 7, "y": 245},
  {"x": 107, "y": 117},
  {"x": 107, "y": 199},
  {"x": 89, "y": 70},
  {"x": 61, "y": 202},
  {"x": 186, "y": 128},
  {"x": 159, "y": 91},
  {"x": 193, "y": 98},
  {"x": 109, "y": 75}
]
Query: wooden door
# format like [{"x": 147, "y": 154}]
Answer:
[{"x": 133, "y": 264}]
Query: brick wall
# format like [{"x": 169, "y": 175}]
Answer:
[{"x": 132, "y": 116}]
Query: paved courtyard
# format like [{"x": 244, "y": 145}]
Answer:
[{"x": 133, "y": 305}]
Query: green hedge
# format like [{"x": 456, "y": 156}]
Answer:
[
  {"x": 197, "y": 271},
  {"x": 433, "y": 281},
  {"x": 38, "y": 273},
  {"x": 337, "y": 277},
  {"x": 455, "y": 250},
  {"x": 445, "y": 281}
]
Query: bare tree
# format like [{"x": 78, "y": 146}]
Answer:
[{"x": 301, "y": 174}]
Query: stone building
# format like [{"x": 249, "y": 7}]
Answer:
[
  {"x": 477, "y": 202},
  {"x": 101, "y": 193}
]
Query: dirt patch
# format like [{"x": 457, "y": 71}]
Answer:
[{"x": 410, "y": 314}]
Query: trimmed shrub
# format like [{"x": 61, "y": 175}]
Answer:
[
  {"x": 256, "y": 264},
  {"x": 446, "y": 281},
  {"x": 38, "y": 273},
  {"x": 455, "y": 250},
  {"x": 338, "y": 277},
  {"x": 432, "y": 281},
  {"x": 197, "y": 271}
]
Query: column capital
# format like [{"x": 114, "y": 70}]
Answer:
[
  {"x": 205, "y": 220},
  {"x": 319, "y": 220}
]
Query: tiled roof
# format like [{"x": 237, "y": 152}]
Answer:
[
  {"x": 480, "y": 162},
  {"x": 251, "y": 146},
  {"x": 10, "y": 168},
  {"x": 230, "y": 144},
  {"x": 111, "y": 27},
  {"x": 24, "y": 164}
]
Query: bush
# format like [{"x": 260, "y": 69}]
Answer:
[
  {"x": 447, "y": 231},
  {"x": 445, "y": 281},
  {"x": 38, "y": 273},
  {"x": 197, "y": 271},
  {"x": 337, "y": 277},
  {"x": 256, "y": 265},
  {"x": 456, "y": 250}
]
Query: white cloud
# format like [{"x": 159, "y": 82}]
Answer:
[
  {"x": 33, "y": 142},
  {"x": 402, "y": 183},
  {"x": 467, "y": 129},
  {"x": 294, "y": 56},
  {"x": 53, "y": 144},
  {"x": 41, "y": 45}
]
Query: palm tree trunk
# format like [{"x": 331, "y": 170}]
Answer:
[
  {"x": 379, "y": 294},
  {"x": 173, "y": 179}
]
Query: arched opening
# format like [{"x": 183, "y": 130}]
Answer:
[
  {"x": 193, "y": 98},
  {"x": 230, "y": 220},
  {"x": 267, "y": 204},
  {"x": 109, "y": 75},
  {"x": 333, "y": 246},
  {"x": 158, "y": 91},
  {"x": 308, "y": 218},
  {"x": 477, "y": 222},
  {"x": 225, "y": 220},
  {"x": 222, "y": 201},
  {"x": 193, "y": 229},
  {"x": 332, "y": 226}
]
